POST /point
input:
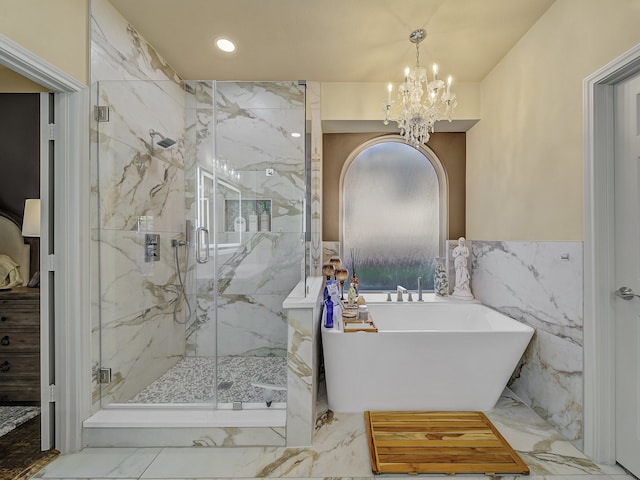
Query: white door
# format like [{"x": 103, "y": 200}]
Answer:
[{"x": 627, "y": 272}]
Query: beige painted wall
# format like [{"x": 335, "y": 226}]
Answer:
[
  {"x": 365, "y": 101},
  {"x": 524, "y": 157},
  {"x": 11, "y": 82},
  {"x": 55, "y": 30}
]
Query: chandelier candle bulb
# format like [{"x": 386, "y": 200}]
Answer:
[{"x": 435, "y": 72}]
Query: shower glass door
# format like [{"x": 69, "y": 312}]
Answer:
[
  {"x": 198, "y": 237},
  {"x": 141, "y": 318},
  {"x": 259, "y": 131}
]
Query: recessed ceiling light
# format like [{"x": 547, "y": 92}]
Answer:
[
  {"x": 296, "y": 135},
  {"x": 225, "y": 44}
]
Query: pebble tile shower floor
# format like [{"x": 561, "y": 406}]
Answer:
[{"x": 192, "y": 380}]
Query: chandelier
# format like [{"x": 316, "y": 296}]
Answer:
[{"x": 418, "y": 116}]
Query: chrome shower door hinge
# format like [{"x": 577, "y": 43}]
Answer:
[
  {"x": 104, "y": 375},
  {"x": 101, "y": 113}
]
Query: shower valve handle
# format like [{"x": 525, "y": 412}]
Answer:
[{"x": 202, "y": 236}]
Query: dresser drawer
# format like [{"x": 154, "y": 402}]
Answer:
[
  {"x": 18, "y": 366},
  {"x": 19, "y": 339},
  {"x": 10, "y": 318},
  {"x": 19, "y": 393}
]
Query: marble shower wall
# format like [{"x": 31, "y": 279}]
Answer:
[
  {"x": 540, "y": 284},
  {"x": 250, "y": 134},
  {"x": 137, "y": 188}
]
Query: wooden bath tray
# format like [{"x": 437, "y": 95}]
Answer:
[
  {"x": 359, "y": 326},
  {"x": 439, "y": 443}
]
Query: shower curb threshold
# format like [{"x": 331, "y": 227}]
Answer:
[{"x": 171, "y": 417}]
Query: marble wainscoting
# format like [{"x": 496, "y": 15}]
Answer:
[
  {"x": 540, "y": 284},
  {"x": 304, "y": 313}
]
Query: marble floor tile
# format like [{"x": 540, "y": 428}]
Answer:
[
  {"x": 99, "y": 463},
  {"x": 340, "y": 450}
]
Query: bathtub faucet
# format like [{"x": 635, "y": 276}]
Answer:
[
  {"x": 420, "y": 289},
  {"x": 400, "y": 290}
]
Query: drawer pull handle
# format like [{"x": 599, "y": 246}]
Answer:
[
  {"x": 5, "y": 341},
  {"x": 5, "y": 366},
  {"x": 4, "y": 318}
]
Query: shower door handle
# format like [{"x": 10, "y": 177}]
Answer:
[{"x": 202, "y": 236}]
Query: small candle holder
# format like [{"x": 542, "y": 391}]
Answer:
[
  {"x": 328, "y": 270},
  {"x": 341, "y": 275},
  {"x": 336, "y": 262}
]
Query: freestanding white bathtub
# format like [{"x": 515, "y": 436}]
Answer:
[{"x": 425, "y": 356}]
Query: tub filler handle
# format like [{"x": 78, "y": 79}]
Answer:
[{"x": 400, "y": 290}]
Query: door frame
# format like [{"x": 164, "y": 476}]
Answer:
[
  {"x": 70, "y": 264},
  {"x": 599, "y": 325}
]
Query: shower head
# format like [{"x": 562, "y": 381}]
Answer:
[{"x": 164, "y": 142}]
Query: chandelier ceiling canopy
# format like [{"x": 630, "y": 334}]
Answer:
[{"x": 423, "y": 100}]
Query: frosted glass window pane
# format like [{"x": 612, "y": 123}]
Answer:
[{"x": 391, "y": 215}]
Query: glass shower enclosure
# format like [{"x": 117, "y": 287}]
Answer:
[{"x": 198, "y": 237}]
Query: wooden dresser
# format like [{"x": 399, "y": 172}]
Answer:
[{"x": 20, "y": 346}]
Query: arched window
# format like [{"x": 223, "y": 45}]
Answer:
[{"x": 393, "y": 213}]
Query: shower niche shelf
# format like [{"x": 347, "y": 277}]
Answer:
[{"x": 237, "y": 215}]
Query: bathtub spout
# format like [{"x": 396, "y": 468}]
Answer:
[{"x": 400, "y": 290}]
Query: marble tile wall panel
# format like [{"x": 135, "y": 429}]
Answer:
[
  {"x": 250, "y": 325},
  {"x": 251, "y": 133},
  {"x": 199, "y": 138},
  {"x": 139, "y": 348},
  {"x": 315, "y": 247},
  {"x": 119, "y": 52},
  {"x": 253, "y": 126},
  {"x": 300, "y": 386},
  {"x": 128, "y": 283},
  {"x": 134, "y": 184},
  {"x": 136, "y": 108},
  {"x": 549, "y": 380},
  {"x": 134, "y": 178},
  {"x": 532, "y": 282},
  {"x": 540, "y": 284},
  {"x": 268, "y": 264}
]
